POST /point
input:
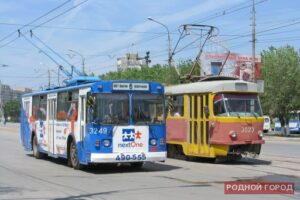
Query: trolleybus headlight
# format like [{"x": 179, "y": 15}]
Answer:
[
  {"x": 233, "y": 134},
  {"x": 260, "y": 134},
  {"x": 162, "y": 141},
  {"x": 153, "y": 142},
  {"x": 97, "y": 143},
  {"x": 106, "y": 143}
]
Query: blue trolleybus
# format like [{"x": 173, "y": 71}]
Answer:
[{"x": 96, "y": 122}]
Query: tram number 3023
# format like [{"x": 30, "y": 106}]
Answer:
[
  {"x": 247, "y": 129},
  {"x": 123, "y": 157}
]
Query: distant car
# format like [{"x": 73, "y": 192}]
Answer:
[{"x": 267, "y": 124}]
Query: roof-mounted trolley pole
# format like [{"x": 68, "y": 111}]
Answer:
[{"x": 202, "y": 34}]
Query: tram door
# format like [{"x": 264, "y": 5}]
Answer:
[
  {"x": 198, "y": 143},
  {"x": 51, "y": 124}
]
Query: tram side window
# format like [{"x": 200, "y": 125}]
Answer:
[
  {"x": 67, "y": 106},
  {"x": 176, "y": 106},
  {"x": 219, "y": 108}
]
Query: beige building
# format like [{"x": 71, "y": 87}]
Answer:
[{"x": 130, "y": 61}]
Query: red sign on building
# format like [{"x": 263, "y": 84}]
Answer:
[{"x": 237, "y": 65}]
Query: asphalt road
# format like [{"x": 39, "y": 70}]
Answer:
[{"x": 24, "y": 177}]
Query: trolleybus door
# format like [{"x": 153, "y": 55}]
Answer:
[
  {"x": 26, "y": 133},
  {"x": 198, "y": 140},
  {"x": 51, "y": 123},
  {"x": 82, "y": 114}
]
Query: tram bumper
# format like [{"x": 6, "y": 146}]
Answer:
[
  {"x": 251, "y": 147},
  {"x": 238, "y": 142},
  {"x": 128, "y": 157}
]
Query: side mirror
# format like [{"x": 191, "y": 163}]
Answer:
[{"x": 206, "y": 111}]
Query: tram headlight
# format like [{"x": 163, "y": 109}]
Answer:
[
  {"x": 233, "y": 134},
  {"x": 260, "y": 134},
  {"x": 153, "y": 142},
  {"x": 106, "y": 143}
]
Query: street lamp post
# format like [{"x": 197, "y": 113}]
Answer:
[
  {"x": 169, "y": 39},
  {"x": 82, "y": 58}
]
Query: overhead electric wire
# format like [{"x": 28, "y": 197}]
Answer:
[
  {"x": 51, "y": 19},
  {"x": 57, "y": 54},
  {"x": 40, "y": 49},
  {"x": 84, "y": 29},
  {"x": 222, "y": 13},
  {"x": 47, "y": 13},
  {"x": 263, "y": 31}
]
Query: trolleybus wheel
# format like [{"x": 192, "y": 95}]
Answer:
[
  {"x": 137, "y": 165},
  {"x": 35, "y": 151},
  {"x": 73, "y": 156}
]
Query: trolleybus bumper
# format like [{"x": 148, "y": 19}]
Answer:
[{"x": 113, "y": 157}]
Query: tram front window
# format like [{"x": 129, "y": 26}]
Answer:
[
  {"x": 147, "y": 109},
  {"x": 239, "y": 105},
  {"x": 109, "y": 109}
]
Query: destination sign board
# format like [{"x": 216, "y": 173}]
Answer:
[{"x": 131, "y": 86}]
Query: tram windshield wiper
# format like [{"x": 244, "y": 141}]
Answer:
[
  {"x": 254, "y": 114},
  {"x": 230, "y": 110}
]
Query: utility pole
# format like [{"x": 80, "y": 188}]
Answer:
[
  {"x": 169, "y": 40},
  {"x": 58, "y": 77},
  {"x": 82, "y": 60},
  {"x": 48, "y": 78},
  {"x": 253, "y": 40},
  {"x": 1, "y": 106}
]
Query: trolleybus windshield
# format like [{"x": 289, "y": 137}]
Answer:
[
  {"x": 147, "y": 109},
  {"x": 109, "y": 109},
  {"x": 239, "y": 105}
]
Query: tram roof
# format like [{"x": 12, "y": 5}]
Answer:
[{"x": 213, "y": 86}]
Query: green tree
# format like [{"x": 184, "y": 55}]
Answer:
[
  {"x": 159, "y": 73},
  {"x": 12, "y": 110},
  {"x": 281, "y": 72}
]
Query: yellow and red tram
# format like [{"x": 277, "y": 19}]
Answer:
[{"x": 214, "y": 118}]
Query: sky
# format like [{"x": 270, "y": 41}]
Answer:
[{"x": 100, "y": 31}]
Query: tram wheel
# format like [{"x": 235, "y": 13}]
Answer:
[
  {"x": 73, "y": 156},
  {"x": 35, "y": 151}
]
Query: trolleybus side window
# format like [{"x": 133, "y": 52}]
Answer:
[
  {"x": 108, "y": 109},
  {"x": 67, "y": 106},
  {"x": 176, "y": 106},
  {"x": 35, "y": 108},
  {"x": 147, "y": 109},
  {"x": 39, "y": 107},
  {"x": 26, "y": 108}
]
